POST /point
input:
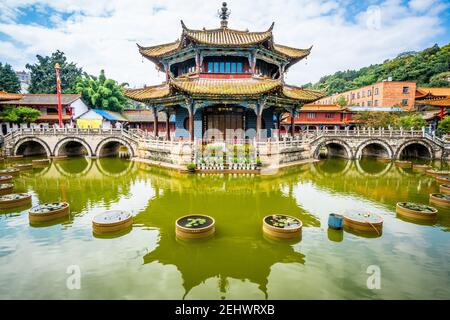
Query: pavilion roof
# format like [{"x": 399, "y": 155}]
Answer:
[
  {"x": 322, "y": 107},
  {"x": 222, "y": 87},
  {"x": 9, "y": 96},
  {"x": 222, "y": 37},
  {"x": 42, "y": 99},
  {"x": 440, "y": 103},
  {"x": 423, "y": 93}
]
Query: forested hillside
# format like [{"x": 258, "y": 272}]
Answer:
[{"x": 430, "y": 67}]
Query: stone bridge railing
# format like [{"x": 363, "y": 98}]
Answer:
[{"x": 51, "y": 139}]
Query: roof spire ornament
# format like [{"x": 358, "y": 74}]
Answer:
[{"x": 223, "y": 14}]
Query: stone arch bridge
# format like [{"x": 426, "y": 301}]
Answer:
[
  {"x": 389, "y": 144},
  {"x": 71, "y": 142}
]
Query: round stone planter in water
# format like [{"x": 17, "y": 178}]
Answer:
[
  {"x": 112, "y": 221},
  {"x": 443, "y": 179},
  {"x": 416, "y": 211},
  {"x": 10, "y": 172},
  {"x": 421, "y": 167},
  {"x": 5, "y": 179},
  {"x": 403, "y": 164},
  {"x": 384, "y": 160},
  {"x": 436, "y": 173},
  {"x": 6, "y": 188},
  {"x": 48, "y": 211},
  {"x": 15, "y": 157},
  {"x": 364, "y": 222},
  {"x": 57, "y": 158},
  {"x": 440, "y": 199},
  {"x": 195, "y": 226},
  {"x": 23, "y": 166},
  {"x": 14, "y": 200},
  {"x": 444, "y": 188},
  {"x": 282, "y": 226},
  {"x": 40, "y": 162}
]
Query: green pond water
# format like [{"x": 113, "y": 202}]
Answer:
[{"x": 37, "y": 262}]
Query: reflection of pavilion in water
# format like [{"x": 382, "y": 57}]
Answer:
[{"x": 238, "y": 250}]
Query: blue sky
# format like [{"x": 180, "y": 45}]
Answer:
[{"x": 102, "y": 34}]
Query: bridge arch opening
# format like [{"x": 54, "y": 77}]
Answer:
[
  {"x": 415, "y": 151},
  {"x": 72, "y": 148},
  {"x": 375, "y": 150},
  {"x": 31, "y": 148},
  {"x": 114, "y": 148},
  {"x": 333, "y": 150}
]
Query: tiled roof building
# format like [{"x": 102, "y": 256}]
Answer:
[{"x": 223, "y": 79}]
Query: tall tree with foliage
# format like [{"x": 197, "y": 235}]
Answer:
[
  {"x": 444, "y": 125},
  {"x": 8, "y": 79},
  {"x": 427, "y": 68},
  {"x": 414, "y": 121},
  {"x": 19, "y": 114},
  {"x": 377, "y": 119},
  {"x": 43, "y": 79},
  {"x": 102, "y": 93}
]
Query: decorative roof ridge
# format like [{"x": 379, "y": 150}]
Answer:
[
  {"x": 161, "y": 85},
  {"x": 185, "y": 28},
  {"x": 159, "y": 45}
]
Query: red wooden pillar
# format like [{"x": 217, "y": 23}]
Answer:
[{"x": 441, "y": 114}]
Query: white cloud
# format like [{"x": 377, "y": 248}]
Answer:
[{"x": 102, "y": 34}]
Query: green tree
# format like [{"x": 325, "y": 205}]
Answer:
[
  {"x": 8, "y": 79},
  {"x": 43, "y": 78},
  {"x": 444, "y": 125},
  {"x": 414, "y": 121},
  {"x": 102, "y": 93},
  {"x": 342, "y": 101},
  {"x": 377, "y": 119},
  {"x": 427, "y": 68},
  {"x": 19, "y": 114},
  {"x": 440, "y": 80}
]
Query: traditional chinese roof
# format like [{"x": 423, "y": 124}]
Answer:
[
  {"x": 143, "y": 115},
  {"x": 148, "y": 93},
  {"x": 222, "y": 87},
  {"x": 322, "y": 108},
  {"x": 440, "y": 103},
  {"x": 222, "y": 37},
  {"x": 432, "y": 93},
  {"x": 42, "y": 99},
  {"x": 9, "y": 96}
]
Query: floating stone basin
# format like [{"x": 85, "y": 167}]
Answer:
[
  {"x": 440, "y": 199},
  {"x": 14, "y": 200},
  {"x": 48, "y": 211},
  {"x": 403, "y": 164},
  {"x": 5, "y": 178},
  {"x": 40, "y": 162},
  {"x": 416, "y": 210},
  {"x": 23, "y": 166},
  {"x": 364, "y": 222},
  {"x": 15, "y": 157},
  {"x": 195, "y": 226},
  {"x": 421, "y": 167},
  {"x": 6, "y": 188},
  {"x": 436, "y": 173},
  {"x": 444, "y": 188},
  {"x": 443, "y": 179},
  {"x": 282, "y": 226},
  {"x": 112, "y": 221},
  {"x": 10, "y": 172}
]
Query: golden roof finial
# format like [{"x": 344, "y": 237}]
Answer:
[{"x": 224, "y": 14}]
